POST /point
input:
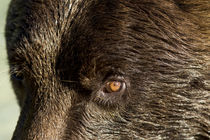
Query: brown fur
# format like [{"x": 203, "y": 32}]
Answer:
[{"x": 62, "y": 52}]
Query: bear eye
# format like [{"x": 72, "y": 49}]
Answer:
[
  {"x": 114, "y": 86},
  {"x": 112, "y": 93},
  {"x": 17, "y": 76}
]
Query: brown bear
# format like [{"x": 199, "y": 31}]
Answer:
[{"x": 110, "y": 69}]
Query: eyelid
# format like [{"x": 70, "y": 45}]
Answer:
[
  {"x": 113, "y": 74},
  {"x": 115, "y": 78}
]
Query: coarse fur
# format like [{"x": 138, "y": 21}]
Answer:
[{"x": 62, "y": 52}]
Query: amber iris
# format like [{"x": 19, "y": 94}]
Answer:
[{"x": 114, "y": 86}]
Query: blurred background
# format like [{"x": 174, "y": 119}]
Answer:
[{"x": 9, "y": 110}]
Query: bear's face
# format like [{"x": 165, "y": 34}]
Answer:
[{"x": 107, "y": 69}]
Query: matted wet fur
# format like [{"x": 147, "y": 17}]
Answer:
[{"x": 61, "y": 54}]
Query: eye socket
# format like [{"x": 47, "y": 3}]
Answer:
[{"x": 114, "y": 86}]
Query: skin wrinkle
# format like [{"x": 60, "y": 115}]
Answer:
[{"x": 66, "y": 51}]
